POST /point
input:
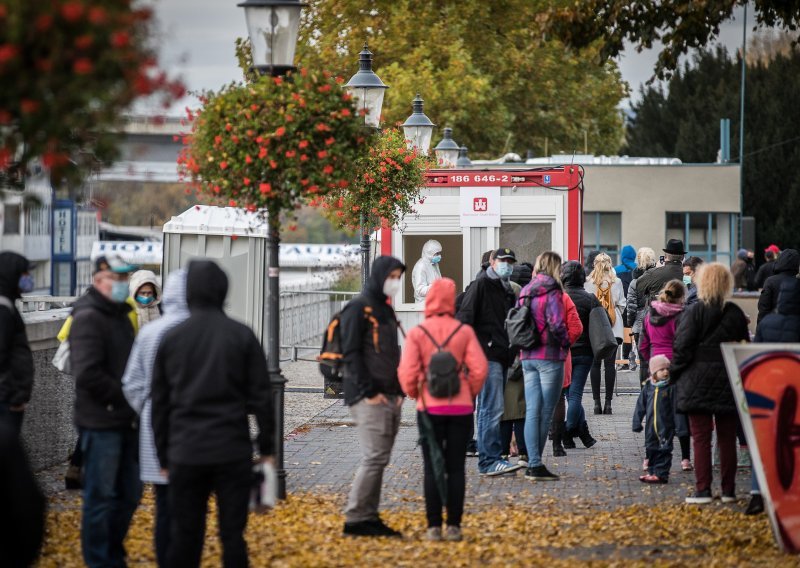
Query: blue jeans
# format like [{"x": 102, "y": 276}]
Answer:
[
  {"x": 490, "y": 411},
  {"x": 111, "y": 493},
  {"x": 543, "y": 382},
  {"x": 581, "y": 365}
]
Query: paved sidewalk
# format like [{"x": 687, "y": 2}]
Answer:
[{"x": 323, "y": 457}]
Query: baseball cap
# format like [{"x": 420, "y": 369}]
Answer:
[
  {"x": 773, "y": 248},
  {"x": 114, "y": 263},
  {"x": 505, "y": 254}
]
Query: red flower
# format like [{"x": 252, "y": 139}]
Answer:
[
  {"x": 217, "y": 140},
  {"x": 248, "y": 159},
  {"x": 27, "y": 106},
  {"x": 304, "y": 157},
  {"x": 324, "y": 88},
  {"x": 322, "y": 127},
  {"x": 228, "y": 127},
  {"x": 273, "y": 164},
  {"x": 329, "y": 141},
  {"x": 82, "y": 66},
  {"x": 303, "y": 144},
  {"x": 327, "y": 169},
  {"x": 223, "y": 165},
  {"x": 246, "y": 181},
  {"x": 346, "y": 112},
  {"x": 262, "y": 153},
  {"x": 290, "y": 153},
  {"x": 7, "y": 52},
  {"x": 278, "y": 80},
  {"x": 280, "y": 131},
  {"x": 216, "y": 189},
  {"x": 251, "y": 208},
  {"x": 313, "y": 189},
  {"x": 232, "y": 203},
  {"x": 408, "y": 159},
  {"x": 253, "y": 107},
  {"x": 120, "y": 39},
  {"x": 84, "y": 41},
  {"x": 71, "y": 11},
  {"x": 322, "y": 154},
  {"x": 259, "y": 140},
  {"x": 264, "y": 188},
  {"x": 97, "y": 15}
]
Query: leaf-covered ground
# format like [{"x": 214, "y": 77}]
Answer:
[{"x": 306, "y": 531}]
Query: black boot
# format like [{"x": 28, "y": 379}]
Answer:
[
  {"x": 598, "y": 409},
  {"x": 755, "y": 506},
  {"x": 585, "y": 436},
  {"x": 558, "y": 433},
  {"x": 567, "y": 439},
  {"x": 607, "y": 409}
]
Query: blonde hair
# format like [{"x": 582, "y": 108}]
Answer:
[
  {"x": 550, "y": 263},
  {"x": 602, "y": 270},
  {"x": 714, "y": 283},
  {"x": 645, "y": 258},
  {"x": 673, "y": 292}
]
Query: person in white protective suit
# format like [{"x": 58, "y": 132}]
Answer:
[{"x": 426, "y": 270}]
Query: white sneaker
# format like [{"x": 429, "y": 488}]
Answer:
[
  {"x": 729, "y": 499},
  {"x": 700, "y": 498},
  {"x": 501, "y": 468},
  {"x": 522, "y": 461}
]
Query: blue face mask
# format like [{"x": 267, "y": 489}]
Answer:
[
  {"x": 436, "y": 259},
  {"x": 687, "y": 280},
  {"x": 145, "y": 300},
  {"x": 26, "y": 284},
  {"x": 503, "y": 269},
  {"x": 119, "y": 291}
]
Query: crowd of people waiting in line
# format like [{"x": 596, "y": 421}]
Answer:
[{"x": 149, "y": 409}]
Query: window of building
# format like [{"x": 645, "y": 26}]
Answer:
[
  {"x": 602, "y": 231},
  {"x": 451, "y": 266},
  {"x": 11, "y": 219},
  {"x": 711, "y": 236}
]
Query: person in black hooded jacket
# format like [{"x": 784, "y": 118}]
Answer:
[
  {"x": 786, "y": 268},
  {"x": 210, "y": 373},
  {"x": 372, "y": 390},
  {"x": 783, "y": 325},
  {"x": 16, "y": 360},
  {"x": 573, "y": 278}
]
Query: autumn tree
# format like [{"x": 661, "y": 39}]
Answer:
[
  {"x": 484, "y": 68},
  {"x": 679, "y": 25}
]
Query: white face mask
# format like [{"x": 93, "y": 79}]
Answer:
[{"x": 391, "y": 287}]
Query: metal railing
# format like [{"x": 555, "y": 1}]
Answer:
[
  {"x": 304, "y": 318},
  {"x": 42, "y": 303}
]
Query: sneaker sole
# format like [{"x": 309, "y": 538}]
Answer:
[
  {"x": 511, "y": 469},
  {"x": 729, "y": 499},
  {"x": 699, "y": 500},
  {"x": 533, "y": 478}
]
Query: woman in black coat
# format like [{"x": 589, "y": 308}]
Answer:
[{"x": 703, "y": 389}]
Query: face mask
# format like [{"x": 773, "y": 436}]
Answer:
[
  {"x": 503, "y": 269},
  {"x": 144, "y": 300},
  {"x": 687, "y": 280},
  {"x": 436, "y": 259},
  {"x": 391, "y": 287},
  {"x": 119, "y": 291},
  {"x": 26, "y": 283}
]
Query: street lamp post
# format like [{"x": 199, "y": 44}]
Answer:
[
  {"x": 368, "y": 90},
  {"x": 447, "y": 150},
  {"x": 418, "y": 128},
  {"x": 273, "y": 26}
]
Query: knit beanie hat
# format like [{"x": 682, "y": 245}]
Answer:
[{"x": 657, "y": 363}]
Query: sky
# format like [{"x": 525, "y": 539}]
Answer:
[{"x": 197, "y": 42}]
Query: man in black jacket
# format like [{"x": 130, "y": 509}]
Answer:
[
  {"x": 650, "y": 283},
  {"x": 100, "y": 340},
  {"x": 16, "y": 360},
  {"x": 485, "y": 306},
  {"x": 786, "y": 267},
  {"x": 768, "y": 268},
  {"x": 210, "y": 373},
  {"x": 372, "y": 391}
]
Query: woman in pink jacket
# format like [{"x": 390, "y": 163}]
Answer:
[{"x": 452, "y": 416}]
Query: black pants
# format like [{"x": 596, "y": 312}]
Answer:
[
  {"x": 517, "y": 427},
  {"x": 452, "y": 434},
  {"x": 610, "y": 374},
  {"x": 189, "y": 489},
  {"x": 162, "y": 523}
]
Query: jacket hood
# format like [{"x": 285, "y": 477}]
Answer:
[
  {"x": 430, "y": 248},
  {"x": 378, "y": 274},
  {"x": 174, "y": 299},
  {"x": 441, "y": 298},
  {"x": 542, "y": 284},
  {"x": 788, "y": 261},
  {"x": 660, "y": 312},
  {"x": 627, "y": 260},
  {"x": 139, "y": 279},
  {"x": 12, "y": 266},
  {"x": 522, "y": 273},
  {"x": 206, "y": 285},
  {"x": 789, "y": 298},
  {"x": 573, "y": 275}
]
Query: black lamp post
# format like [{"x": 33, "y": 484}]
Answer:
[
  {"x": 447, "y": 150},
  {"x": 273, "y": 26},
  {"x": 368, "y": 90},
  {"x": 418, "y": 128},
  {"x": 463, "y": 160}
]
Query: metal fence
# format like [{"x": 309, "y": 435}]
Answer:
[
  {"x": 304, "y": 317},
  {"x": 42, "y": 303}
]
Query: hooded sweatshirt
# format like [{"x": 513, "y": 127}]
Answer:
[
  {"x": 210, "y": 372},
  {"x": 149, "y": 312},
  {"x": 16, "y": 360},
  {"x": 440, "y": 322},
  {"x": 626, "y": 267},
  {"x": 370, "y": 371},
  {"x": 425, "y": 270},
  {"x": 786, "y": 267},
  {"x": 549, "y": 317},
  {"x": 658, "y": 331},
  {"x": 783, "y": 325},
  {"x": 138, "y": 378}
]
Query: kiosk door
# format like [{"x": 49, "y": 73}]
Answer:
[{"x": 527, "y": 240}]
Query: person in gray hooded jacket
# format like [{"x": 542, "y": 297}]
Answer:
[{"x": 136, "y": 385}]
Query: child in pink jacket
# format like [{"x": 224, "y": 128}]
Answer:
[{"x": 451, "y": 417}]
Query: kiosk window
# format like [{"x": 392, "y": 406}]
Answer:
[
  {"x": 603, "y": 232},
  {"x": 452, "y": 265},
  {"x": 527, "y": 240}
]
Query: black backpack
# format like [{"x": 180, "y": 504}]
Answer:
[
  {"x": 331, "y": 357},
  {"x": 444, "y": 372}
]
